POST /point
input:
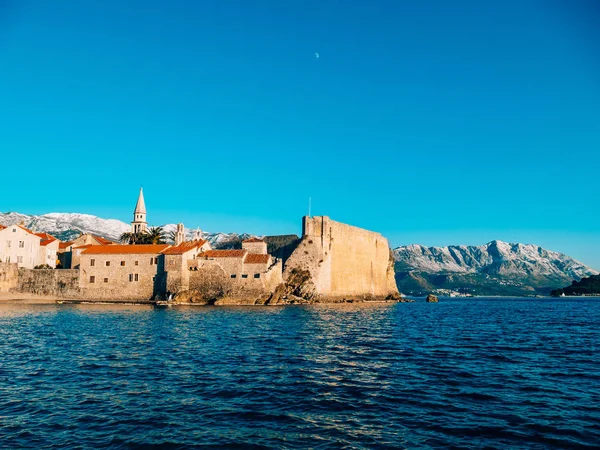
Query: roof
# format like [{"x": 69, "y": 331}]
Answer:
[
  {"x": 140, "y": 206},
  {"x": 46, "y": 239},
  {"x": 82, "y": 246},
  {"x": 64, "y": 245},
  {"x": 102, "y": 241},
  {"x": 184, "y": 247},
  {"x": 26, "y": 229},
  {"x": 255, "y": 258},
  {"x": 147, "y": 249},
  {"x": 253, "y": 240},
  {"x": 3, "y": 227},
  {"x": 225, "y": 253}
]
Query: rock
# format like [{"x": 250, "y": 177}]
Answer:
[{"x": 431, "y": 298}]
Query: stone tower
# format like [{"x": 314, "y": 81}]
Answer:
[
  {"x": 139, "y": 224},
  {"x": 197, "y": 234},
  {"x": 179, "y": 234}
]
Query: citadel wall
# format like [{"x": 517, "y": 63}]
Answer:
[
  {"x": 343, "y": 261},
  {"x": 213, "y": 281},
  {"x": 49, "y": 282},
  {"x": 9, "y": 276}
]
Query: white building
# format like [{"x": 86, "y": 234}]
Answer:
[
  {"x": 48, "y": 252},
  {"x": 19, "y": 245}
]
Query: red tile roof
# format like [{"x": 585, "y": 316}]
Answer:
[
  {"x": 224, "y": 253},
  {"x": 64, "y": 245},
  {"x": 103, "y": 241},
  {"x": 184, "y": 247},
  {"x": 2, "y": 227},
  {"x": 46, "y": 238},
  {"x": 26, "y": 229},
  {"x": 253, "y": 240},
  {"x": 82, "y": 246},
  {"x": 254, "y": 258},
  {"x": 117, "y": 249}
]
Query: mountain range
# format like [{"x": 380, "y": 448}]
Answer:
[{"x": 496, "y": 268}]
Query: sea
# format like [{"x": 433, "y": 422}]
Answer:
[{"x": 500, "y": 373}]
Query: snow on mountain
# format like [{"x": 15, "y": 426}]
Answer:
[
  {"x": 67, "y": 226},
  {"x": 217, "y": 239},
  {"x": 494, "y": 258}
]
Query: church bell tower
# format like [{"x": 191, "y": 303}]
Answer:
[{"x": 139, "y": 224}]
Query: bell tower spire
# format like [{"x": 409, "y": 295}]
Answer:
[{"x": 139, "y": 224}]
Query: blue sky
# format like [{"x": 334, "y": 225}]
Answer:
[{"x": 431, "y": 122}]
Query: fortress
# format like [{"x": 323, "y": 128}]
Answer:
[
  {"x": 332, "y": 262},
  {"x": 335, "y": 261}
]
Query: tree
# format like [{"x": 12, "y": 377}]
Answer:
[
  {"x": 153, "y": 235},
  {"x": 172, "y": 236},
  {"x": 129, "y": 238}
]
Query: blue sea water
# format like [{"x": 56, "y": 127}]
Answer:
[{"x": 462, "y": 373}]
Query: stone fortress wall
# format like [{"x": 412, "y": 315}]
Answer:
[
  {"x": 214, "y": 279},
  {"x": 9, "y": 276},
  {"x": 49, "y": 282},
  {"x": 342, "y": 261}
]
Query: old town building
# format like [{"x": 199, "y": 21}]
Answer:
[
  {"x": 121, "y": 271},
  {"x": 48, "y": 252},
  {"x": 19, "y": 245}
]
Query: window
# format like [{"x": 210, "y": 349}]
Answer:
[
  {"x": 92, "y": 279},
  {"x": 8, "y": 259},
  {"x": 21, "y": 244},
  {"x": 92, "y": 262},
  {"x": 136, "y": 278},
  {"x": 233, "y": 275},
  {"x": 130, "y": 277},
  {"x": 244, "y": 275},
  {"x": 122, "y": 263},
  {"x": 107, "y": 263},
  {"x": 156, "y": 260},
  {"x": 257, "y": 275},
  {"x": 106, "y": 280},
  {"x": 19, "y": 259},
  {"x": 151, "y": 261},
  {"x": 137, "y": 262},
  {"x": 14, "y": 230}
]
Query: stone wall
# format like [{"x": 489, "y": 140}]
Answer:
[
  {"x": 9, "y": 276},
  {"x": 255, "y": 247},
  {"x": 49, "y": 282},
  {"x": 211, "y": 282},
  {"x": 343, "y": 261}
]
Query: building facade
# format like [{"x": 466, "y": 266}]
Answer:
[
  {"x": 48, "y": 252},
  {"x": 122, "y": 272},
  {"x": 19, "y": 245}
]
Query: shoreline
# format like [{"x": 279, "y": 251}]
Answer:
[{"x": 20, "y": 298}]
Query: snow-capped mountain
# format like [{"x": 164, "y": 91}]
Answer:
[
  {"x": 522, "y": 267},
  {"x": 67, "y": 226}
]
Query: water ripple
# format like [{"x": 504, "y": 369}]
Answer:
[{"x": 484, "y": 373}]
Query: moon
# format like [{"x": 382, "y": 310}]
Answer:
[{"x": 317, "y": 55}]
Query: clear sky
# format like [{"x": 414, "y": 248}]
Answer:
[{"x": 431, "y": 122}]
